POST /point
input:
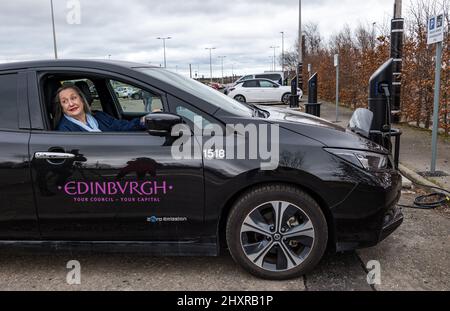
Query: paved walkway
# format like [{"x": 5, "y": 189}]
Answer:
[{"x": 415, "y": 150}]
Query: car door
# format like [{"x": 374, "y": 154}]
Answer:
[
  {"x": 115, "y": 186},
  {"x": 251, "y": 91},
  {"x": 269, "y": 91},
  {"x": 18, "y": 220}
]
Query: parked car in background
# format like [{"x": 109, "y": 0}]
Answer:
[
  {"x": 124, "y": 92},
  {"x": 137, "y": 95},
  {"x": 273, "y": 76},
  {"x": 261, "y": 91},
  {"x": 215, "y": 85}
]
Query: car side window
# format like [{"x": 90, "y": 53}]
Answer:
[
  {"x": 251, "y": 84},
  {"x": 8, "y": 102},
  {"x": 136, "y": 100},
  {"x": 266, "y": 84}
]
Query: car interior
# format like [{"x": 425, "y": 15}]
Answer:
[{"x": 101, "y": 95}]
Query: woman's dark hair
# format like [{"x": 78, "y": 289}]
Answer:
[{"x": 57, "y": 109}]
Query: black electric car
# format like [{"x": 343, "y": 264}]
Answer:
[{"x": 125, "y": 191}]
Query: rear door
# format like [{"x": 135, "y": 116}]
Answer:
[
  {"x": 18, "y": 220},
  {"x": 252, "y": 91}
]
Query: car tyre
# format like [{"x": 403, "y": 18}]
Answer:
[
  {"x": 285, "y": 98},
  {"x": 240, "y": 98},
  {"x": 293, "y": 253}
]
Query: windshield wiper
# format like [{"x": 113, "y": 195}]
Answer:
[{"x": 258, "y": 112}]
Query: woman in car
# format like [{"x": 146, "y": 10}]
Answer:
[{"x": 72, "y": 114}]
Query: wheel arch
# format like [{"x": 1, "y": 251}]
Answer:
[
  {"x": 284, "y": 94},
  {"x": 226, "y": 209},
  {"x": 239, "y": 94}
]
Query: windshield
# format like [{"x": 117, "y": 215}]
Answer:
[{"x": 200, "y": 90}]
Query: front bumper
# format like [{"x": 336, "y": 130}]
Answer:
[
  {"x": 393, "y": 219},
  {"x": 369, "y": 213}
]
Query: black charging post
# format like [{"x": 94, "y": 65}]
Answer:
[
  {"x": 380, "y": 94},
  {"x": 313, "y": 107},
  {"x": 294, "y": 98}
]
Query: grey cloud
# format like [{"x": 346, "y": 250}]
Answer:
[{"x": 243, "y": 30}]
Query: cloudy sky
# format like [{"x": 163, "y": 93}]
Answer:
[{"x": 241, "y": 30}]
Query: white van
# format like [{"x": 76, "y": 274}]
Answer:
[{"x": 273, "y": 76}]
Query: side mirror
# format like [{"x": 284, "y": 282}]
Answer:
[
  {"x": 161, "y": 124},
  {"x": 276, "y": 86},
  {"x": 361, "y": 122}
]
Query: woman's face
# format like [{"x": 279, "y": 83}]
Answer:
[{"x": 71, "y": 103}]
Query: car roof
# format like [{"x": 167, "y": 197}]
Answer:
[
  {"x": 100, "y": 64},
  {"x": 260, "y": 79}
]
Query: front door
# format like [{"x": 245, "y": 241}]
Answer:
[{"x": 115, "y": 186}]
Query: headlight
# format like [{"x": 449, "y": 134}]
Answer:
[{"x": 363, "y": 159}]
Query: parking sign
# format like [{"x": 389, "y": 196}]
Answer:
[{"x": 436, "y": 29}]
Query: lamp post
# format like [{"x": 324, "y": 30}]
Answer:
[
  {"x": 300, "y": 47},
  {"x": 271, "y": 63},
  {"x": 210, "y": 62},
  {"x": 54, "y": 31},
  {"x": 274, "y": 56},
  {"x": 164, "y": 46},
  {"x": 222, "y": 58},
  {"x": 282, "y": 54}
]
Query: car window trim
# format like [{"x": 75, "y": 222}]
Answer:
[{"x": 22, "y": 117}]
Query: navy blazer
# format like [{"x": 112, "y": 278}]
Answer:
[{"x": 106, "y": 123}]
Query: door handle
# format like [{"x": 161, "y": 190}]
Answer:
[{"x": 53, "y": 155}]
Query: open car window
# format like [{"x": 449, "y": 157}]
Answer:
[{"x": 88, "y": 88}]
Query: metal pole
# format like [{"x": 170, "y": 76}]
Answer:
[
  {"x": 300, "y": 47},
  {"x": 54, "y": 31},
  {"x": 164, "y": 47},
  {"x": 282, "y": 54},
  {"x": 210, "y": 63},
  {"x": 274, "y": 56},
  {"x": 397, "y": 31},
  {"x": 164, "y": 44},
  {"x": 222, "y": 57},
  {"x": 274, "y": 59},
  {"x": 398, "y": 9},
  {"x": 437, "y": 89},
  {"x": 337, "y": 87}
]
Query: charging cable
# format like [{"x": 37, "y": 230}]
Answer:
[{"x": 426, "y": 202}]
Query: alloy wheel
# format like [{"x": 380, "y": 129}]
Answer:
[{"x": 277, "y": 236}]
